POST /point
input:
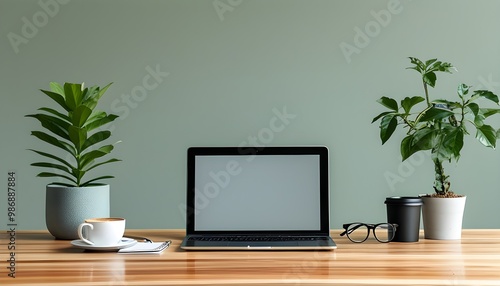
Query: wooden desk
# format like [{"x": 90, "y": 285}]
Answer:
[{"x": 475, "y": 260}]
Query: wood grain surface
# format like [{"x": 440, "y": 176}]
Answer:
[{"x": 42, "y": 260}]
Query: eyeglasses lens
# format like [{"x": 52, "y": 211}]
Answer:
[
  {"x": 384, "y": 232},
  {"x": 357, "y": 232}
]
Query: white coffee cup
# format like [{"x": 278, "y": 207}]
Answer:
[{"x": 102, "y": 231}]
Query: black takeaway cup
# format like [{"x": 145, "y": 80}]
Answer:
[{"x": 405, "y": 212}]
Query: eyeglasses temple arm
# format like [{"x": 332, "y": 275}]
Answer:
[{"x": 350, "y": 230}]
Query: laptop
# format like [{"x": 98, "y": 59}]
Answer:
[{"x": 257, "y": 198}]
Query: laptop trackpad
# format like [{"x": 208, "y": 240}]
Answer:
[{"x": 262, "y": 243}]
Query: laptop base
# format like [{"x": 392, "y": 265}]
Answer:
[{"x": 325, "y": 243}]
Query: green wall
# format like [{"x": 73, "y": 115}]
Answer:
[{"x": 216, "y": 72}]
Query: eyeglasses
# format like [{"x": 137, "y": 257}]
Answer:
[{"x": 359, "y": 232}]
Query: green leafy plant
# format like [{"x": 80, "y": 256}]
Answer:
[
  {"x": 440, "y": 125},
  {"x": 74, "y": 130}
]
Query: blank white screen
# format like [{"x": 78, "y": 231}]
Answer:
[{"x": 267, "y": 192}]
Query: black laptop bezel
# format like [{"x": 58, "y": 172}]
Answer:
[{"x": 322, "y": 151}]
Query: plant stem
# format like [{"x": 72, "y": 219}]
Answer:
[
  {"x": 441, "y": 184},
  {"x": 79, "y": 167},
  {"x": 426, "y": 93}
]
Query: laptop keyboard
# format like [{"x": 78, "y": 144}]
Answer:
[{"x": 257, "y": 238}]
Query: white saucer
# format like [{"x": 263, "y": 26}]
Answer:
[{"x": 124, "y": 243}]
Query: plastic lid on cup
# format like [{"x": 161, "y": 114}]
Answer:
[{"x": 409, "y": 201}]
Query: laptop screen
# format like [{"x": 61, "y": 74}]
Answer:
[{"x": 274, "y": 189}]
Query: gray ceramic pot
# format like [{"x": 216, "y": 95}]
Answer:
[{"x": 68, "y": 207}]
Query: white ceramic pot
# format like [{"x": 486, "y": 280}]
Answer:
[
  {"x": 442, "y": 217},
  {"x": 67, "y": 207}
]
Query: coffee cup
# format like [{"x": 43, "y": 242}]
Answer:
[{"x": 102, "y": 231}]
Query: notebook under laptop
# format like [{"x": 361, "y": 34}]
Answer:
[{"x": 272, "y": 198}]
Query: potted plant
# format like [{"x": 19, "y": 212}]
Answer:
[
  {"x": 78, "y": 148},
  {"x": 439, "y": 126}
]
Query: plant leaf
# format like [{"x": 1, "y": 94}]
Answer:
[
  {"x": 422, "y": 139},
  {"x": 59, "y": 98},
  {"x": 430, "y": 62},
  {"x": 78, "y": 137},
  {"x": 52, "y": 157},
  {"x": 451, "y": 105},
  {"x": 96, "y": 138},
  {"x": 90, "y": 97},
  {"x": 441, "y": 152},
  {"x": 453, "y": 140},
  {"x": 96, "y": 115},
  {"x": 387, "y": 126},
  {"x": 88, "y": 157},
  {"x": 56, "y": 87},
  {"x": 487, "y": 135},
  {"x": 487, "y": 94},
  {"x": 474, "y": 108},
  {"x": 48, "y": 174},
  {"x": 78, "y": 174},
  {"x": 418, "y": 65},
  {"x": 51, "y": 165},
  {"x": 56, "y": 113},
  {"x": 80, "y": 115},
  {"x": 100, "y": 122},
  {"x": 54, "y": 124},
  {"x": 89, "y": 93},
  {"x": 93, "y": 96},
  {"x": 73, "y": 95},
  {"x": 405, "y": 149},
  {"x": 382, "y": 115},
  {"x": 389, "y": 103},
  {"x": 102, "y": 163},
  {"x": 439, "y": 66},
  {"x": 430, "y": 78},
  {"x": 53, "y": 141},
  {"x": 435, "y": 113},
  {"x": 489, "y": 111},
  {"x": 478, "y": 116},
  {"x": 100, "y": 92},
  {"x": 462, "y": 90},
  {"x": 88, "y": 183},
  {"x": 407, "y": 103}
]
